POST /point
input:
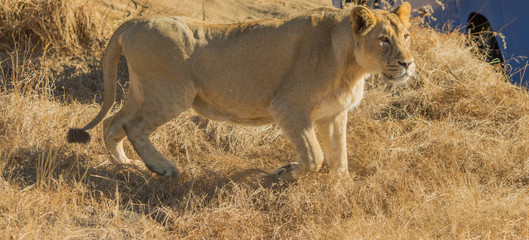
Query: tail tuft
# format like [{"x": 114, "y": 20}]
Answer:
[{"x": 77, "y": 135}]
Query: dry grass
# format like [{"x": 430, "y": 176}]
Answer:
[
  {"x": 445, "y": 156},
  {"x": 65, "y": 26}
]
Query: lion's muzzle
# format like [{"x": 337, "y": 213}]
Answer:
[{"x": 400, "y": 71}]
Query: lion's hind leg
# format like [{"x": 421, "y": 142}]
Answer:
[
  {"x": 113, "y": 131},
  {"x": 114, "y": 134},
  {"x": 154, "y": 111}
]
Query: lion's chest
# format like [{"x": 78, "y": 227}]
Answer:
[{"x": 342, "y": 99}]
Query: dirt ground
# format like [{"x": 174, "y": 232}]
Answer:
[{"x": 218, "y": 11}]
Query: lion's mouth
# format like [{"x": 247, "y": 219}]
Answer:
[{"x": 396, "y": 77}]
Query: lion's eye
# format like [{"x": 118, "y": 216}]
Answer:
[
  {"x": 383, "y": 39},
  {"x": 406, "y": 36}
]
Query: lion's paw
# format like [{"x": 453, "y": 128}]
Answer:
[
  {"x": 166, "y": 169},
  {"x": 287, "y": 172}
]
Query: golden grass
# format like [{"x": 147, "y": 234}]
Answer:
[
  {"x": 445, "y": 156},
  {"x": 66, "y": 26}
]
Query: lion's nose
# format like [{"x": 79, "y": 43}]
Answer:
[{"x": 406, "y": 63}]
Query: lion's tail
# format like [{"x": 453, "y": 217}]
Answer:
[{"x": 110, "y": 69}]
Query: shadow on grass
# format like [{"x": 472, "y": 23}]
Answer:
[
  {"x": 137, "y": 189},
  {"x": 65, "y": 79},
  {"x": 80, "y": 79}
]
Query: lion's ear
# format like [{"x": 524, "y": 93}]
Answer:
[
  {"x": 363, "y": 20},
  {"x": 403, "y": 12}
]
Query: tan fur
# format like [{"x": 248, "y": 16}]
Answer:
[{"x": 302, "y": 73}]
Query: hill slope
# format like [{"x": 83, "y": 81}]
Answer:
[{"x": 445, "y": 156}]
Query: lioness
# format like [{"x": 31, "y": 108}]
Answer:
[{"x": 302, "y": 73}]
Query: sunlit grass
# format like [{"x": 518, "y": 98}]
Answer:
[{"x": 445, "y": 156}]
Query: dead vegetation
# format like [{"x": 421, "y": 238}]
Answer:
[
  {"x": 64, "y": 26},
  {"x": 445, "y": 156}
]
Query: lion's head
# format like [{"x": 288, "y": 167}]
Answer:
[{"x": 382, "y": 41}]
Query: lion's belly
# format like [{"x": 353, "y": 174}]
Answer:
[{"x": 240, "y": 110}]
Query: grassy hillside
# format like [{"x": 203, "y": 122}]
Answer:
[{"x": 445, "y": 156}]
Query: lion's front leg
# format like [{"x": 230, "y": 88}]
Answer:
[
  {"x": 333, "y": 138},
  {"x": 298, "y": 128}
]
